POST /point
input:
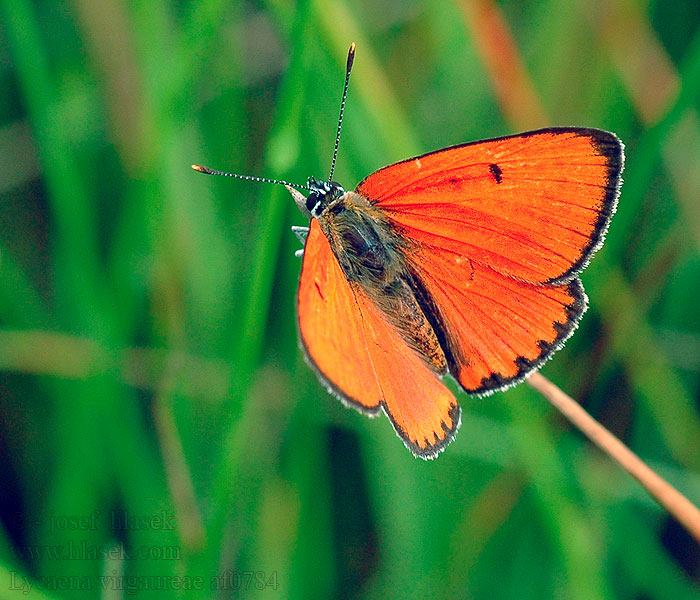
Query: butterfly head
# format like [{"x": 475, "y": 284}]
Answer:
[{"x": 322, "y": 194}]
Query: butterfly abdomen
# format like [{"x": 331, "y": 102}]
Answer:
[{"x": 399, "y": 304}]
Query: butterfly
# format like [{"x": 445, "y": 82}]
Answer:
[{"x": 464, "y": 261}]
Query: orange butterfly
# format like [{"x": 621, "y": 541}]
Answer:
[{"x": 461, "y": 261}]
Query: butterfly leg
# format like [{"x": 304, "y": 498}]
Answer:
[{"x": 301, "y": 233}]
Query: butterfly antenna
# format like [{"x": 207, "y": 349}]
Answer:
[
  {"x": 208, "y": 171},
  {"x": 348, "y": 68}
]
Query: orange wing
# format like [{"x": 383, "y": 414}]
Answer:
[
  {"x": 495, "y": 330},
  {"x": 362, "y": 359},
  {"x": 533, "y": 206}
]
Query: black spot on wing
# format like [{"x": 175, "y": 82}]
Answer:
[{"x": 496, "y": 171}]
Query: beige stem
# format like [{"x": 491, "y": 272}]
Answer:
[{"x": 666, "y": 495}]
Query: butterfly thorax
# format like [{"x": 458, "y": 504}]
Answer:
[
  {"x": 366, "y": 246},
  {"x": 371, "y": 254}
]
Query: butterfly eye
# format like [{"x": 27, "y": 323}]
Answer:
[{"x": 312, "y": 201}]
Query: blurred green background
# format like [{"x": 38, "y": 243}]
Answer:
[{"x": 158, "y": 423}]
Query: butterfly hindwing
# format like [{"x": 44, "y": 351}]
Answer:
[
  {"x": 362, "y": 358},
  {"x": 495, "y": 329}
]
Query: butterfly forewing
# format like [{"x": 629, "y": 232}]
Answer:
[
  {"x": 534, "y": 206},
  {"x": 330, "y": 325}
]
